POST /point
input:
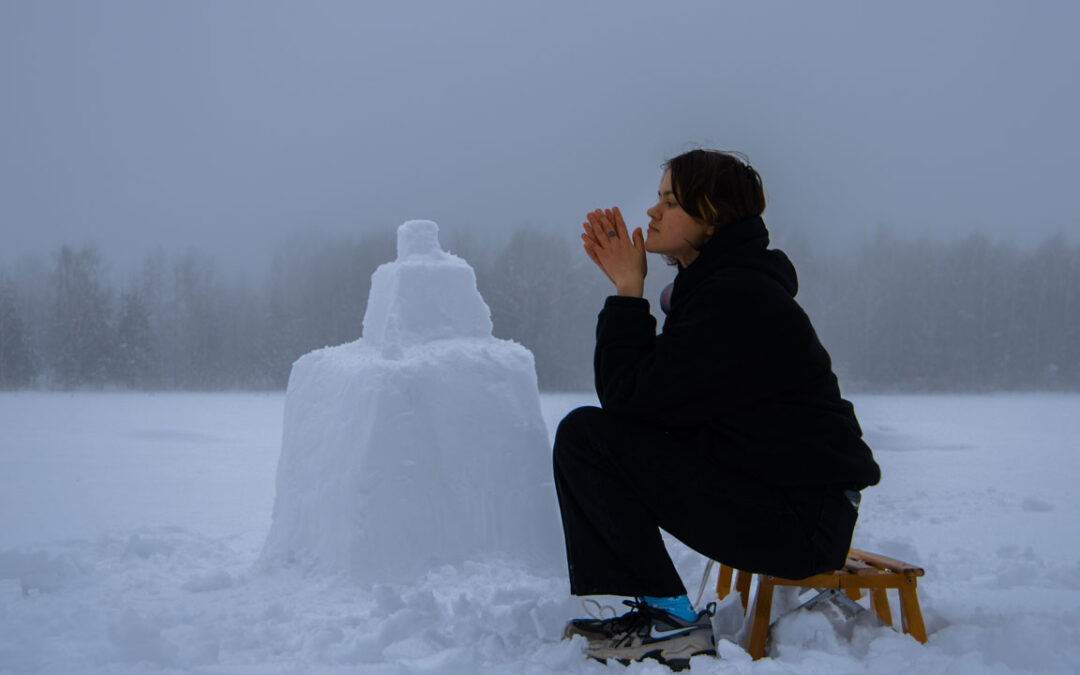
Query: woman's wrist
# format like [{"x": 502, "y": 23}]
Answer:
[{"x": 634, "y": 289}]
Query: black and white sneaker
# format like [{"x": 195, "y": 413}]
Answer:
[{"x": 648, "y": 632}]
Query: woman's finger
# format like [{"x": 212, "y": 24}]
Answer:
[
  {"x": 590, "y": 228},
  {"x": 588, "y": 234},
  {"x": 606, "y": 221},
  {"x": 590, "y": 251},
  {"x": 620, "y": 224},
  {"x": 610, "y": 228},
  {"x": 639, "y": 244},
  {"x": 599, "y": 227}
]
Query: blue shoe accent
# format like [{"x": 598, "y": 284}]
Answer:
[{"x": 678, "y": 606}]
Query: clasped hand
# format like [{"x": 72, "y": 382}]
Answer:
[{"x": 620, "y": 256}]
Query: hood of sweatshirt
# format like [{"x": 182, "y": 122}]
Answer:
[{"x": 740, "y": 246}]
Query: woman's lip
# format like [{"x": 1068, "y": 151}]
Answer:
[{"x": 653, "y": 229}]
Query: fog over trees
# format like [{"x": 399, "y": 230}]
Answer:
[{"x": 901, "y": 314}]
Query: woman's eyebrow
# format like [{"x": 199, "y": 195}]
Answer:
[{"x": 665, "y": 192}]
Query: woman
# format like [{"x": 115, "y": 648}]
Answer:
[{"x": 727, "y": 429}]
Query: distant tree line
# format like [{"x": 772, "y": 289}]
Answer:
[
  {"x": 964, "y": 315},
  {"x": 898, "y": 315}
]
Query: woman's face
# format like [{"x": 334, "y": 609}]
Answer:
[{"x": 672, "y": 231}]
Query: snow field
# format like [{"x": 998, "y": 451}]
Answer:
[{"x": 131, "y": 524}]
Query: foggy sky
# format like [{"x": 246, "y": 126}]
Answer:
[{"x": 231, "y": 125}]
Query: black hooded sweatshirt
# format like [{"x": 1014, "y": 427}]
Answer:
[{"x": 738, "y": 365}]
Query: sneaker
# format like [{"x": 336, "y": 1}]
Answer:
[{"x": 649, "y": 632}]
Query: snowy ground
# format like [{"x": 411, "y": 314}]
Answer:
[{"x": 130, "y": 524}]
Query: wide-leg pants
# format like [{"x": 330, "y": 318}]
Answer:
[{"x": 619, "y": 482}]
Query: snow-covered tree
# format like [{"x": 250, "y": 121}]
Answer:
[
  {"x": 134, "y": 355},
  {"x": 78, "y": 327},
  {"x": 16, "y": 359}
]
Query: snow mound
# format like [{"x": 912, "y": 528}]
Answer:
[{"x": 420, "y": 444}]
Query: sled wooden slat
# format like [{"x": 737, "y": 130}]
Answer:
[
  {"x": 863, "y": 570},
  {"x": 859, "y": 567},
  {"x": 883, "y": 563},
  {"x": 742, "y": 584}
]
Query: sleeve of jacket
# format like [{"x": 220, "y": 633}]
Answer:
[{"x": 660, "y": 377}]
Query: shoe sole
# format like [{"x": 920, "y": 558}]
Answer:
[
  {"x": 675, "y": 653},
  {"x": 674, "y": 663}
]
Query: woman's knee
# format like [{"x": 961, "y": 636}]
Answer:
[{"x": 574, "y": 429}]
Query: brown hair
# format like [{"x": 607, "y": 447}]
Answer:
[{"x": 716, "y": 188}]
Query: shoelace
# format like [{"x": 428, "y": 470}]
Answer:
[
  {"x": 640, "y": 614},
  {"x": 635, "y": 622},
  {"x": 638, "y": 607},
  {"x": 588, "y": 604}
]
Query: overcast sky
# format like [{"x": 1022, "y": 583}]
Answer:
[{"x": 232, "y": 125}]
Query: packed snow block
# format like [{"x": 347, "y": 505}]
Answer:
[{"x": 420, "y": 444}]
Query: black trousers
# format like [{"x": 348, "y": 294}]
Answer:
[{"x": 619, "y": 481}]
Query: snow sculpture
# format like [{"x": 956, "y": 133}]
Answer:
[{"x": 419, "y": 444}]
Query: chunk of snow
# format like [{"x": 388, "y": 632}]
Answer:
[
  {"x": 425, "y": 295},
  {"x": 419, "y": 445},
  {"x": 1036, "y": 505}
]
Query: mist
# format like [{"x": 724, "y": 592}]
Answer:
[
  {"x": 227, "y": 134},
  {"x": 231, "y": 126}
]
